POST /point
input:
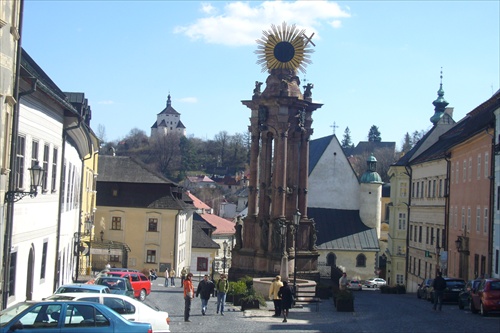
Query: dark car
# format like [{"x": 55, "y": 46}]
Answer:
[
  {"x": 453, "y": 287},
  {"x": 66, "y": 316},
  {"x": 464, "y": 297},
  {"x": 423, "y": 289},
  {"x": 117, "y": 285},
  {"x": 486, "y": 297}
]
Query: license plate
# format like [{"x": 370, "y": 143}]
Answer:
[{"x": 455, "y": 289}]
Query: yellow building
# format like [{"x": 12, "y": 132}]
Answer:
[{"x": 143, "y": 220}]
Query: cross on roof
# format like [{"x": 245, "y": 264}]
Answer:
[{"x": 334, "y": 126}]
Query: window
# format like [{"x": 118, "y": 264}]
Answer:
[
  {"x": 438, "y": 241},
  {"x": 427, "y": 235},
  {"x": 440, "y": 192},
  {"x": 402, "y": 221},
  {"x": 418, "y": 189},
  {"x": 432, "y": 235},
  {"x": 419, "y": 265},
  {"x": 413, "y": 190},
  {"x": 19, "y": 181},
  {"x": 463, "y": 218},
  {"x": 479, "y": 166},
  {"x": 420, "y": 234},
  {"x": 470, "y": 169},
  {"x": 12, "y": 273},
  {"x": 45, "y": 166},
  {"x": 434, "y": 188},
  {"x": 114, "y": 258},
  {"x": 416, "y": 235},
  {"x": 119, "y": 305},
  {"x": 116, "y": 223},
  {"x": 429, "y": 188},
  {"x": 468, "y": 219},
  {"x": 202, "y": 264},
  {"x": 34, "y": 152},
  {"x": 54, "y": 169},
  {"x": 486, "y": 166},
  {"x": 486, "y": 219},
  {"x": 422, "y": 189},
  {"x": 361, "y": 260},
  {"x": 478, "y": 219},
  {"x": 151, "y": 256},
  {"x": 44, "y": 260},
  {"x": 464, "y": 176},
  {"x": 403, "y": 189},
  {"x": 153, "y": 224}
]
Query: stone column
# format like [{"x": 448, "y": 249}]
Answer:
[
  {"x": 279, "y": 174},
  {"x": 253, "y": 182}
]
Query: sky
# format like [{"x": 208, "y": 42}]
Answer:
[{"x": 374, "y": 62}]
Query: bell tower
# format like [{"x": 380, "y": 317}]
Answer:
[{"x": 269, "y": 240}]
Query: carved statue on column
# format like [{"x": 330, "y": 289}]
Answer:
[
  {"x": 265, "y": 234},
  {"x": 238, "y": 234},
  {"x": 277, "y": 237},
  {"x": 314, "y": 237}
]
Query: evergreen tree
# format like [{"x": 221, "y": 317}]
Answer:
[
  {"x": 407, "y": 143},
  {"x": 374, "y": 134},
  {"x": 346, "y": 141}
]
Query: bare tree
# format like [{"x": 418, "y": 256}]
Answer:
[{"x": 165, "y": 153}]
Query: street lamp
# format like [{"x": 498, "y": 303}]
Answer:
[
  {"x": 224, "y": 262},
  {"x": 296, "y": 223},
  {"x": 36, "y": 176}
]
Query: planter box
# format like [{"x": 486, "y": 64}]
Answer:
[
  {"x": 345, "y": 305},
  {"x": 236, "y": 299},
  {"x": 245, "y": 305}
]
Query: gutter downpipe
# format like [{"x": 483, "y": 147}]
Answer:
[
  {"x": 409, "y": 172},
  {"x": 491, "y": 215},
  {"x": 447, "y": 211}
]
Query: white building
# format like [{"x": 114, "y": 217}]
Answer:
[{"x": 168, "y": 121}]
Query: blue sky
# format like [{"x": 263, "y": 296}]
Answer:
[{"x": 374, "y": 63}]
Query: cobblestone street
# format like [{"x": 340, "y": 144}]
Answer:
[{"x": 374, "y": 312}]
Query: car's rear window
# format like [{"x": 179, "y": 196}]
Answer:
[
  {"x": 495, "y": 285},
  {"x": 455, "y": 284}
]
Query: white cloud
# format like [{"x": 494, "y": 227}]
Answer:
[
  {"x": 191, "y": 100},
  {"x": 241, "y": 23},
  {"x": 106, "y": 102}
]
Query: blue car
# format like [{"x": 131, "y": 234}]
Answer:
[{"x": 66, "y": 316}]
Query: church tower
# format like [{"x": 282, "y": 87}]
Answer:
[
  {"x": 370, "y": 205},
  {"x": 280, "y": 126}
]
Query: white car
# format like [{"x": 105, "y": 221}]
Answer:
[
  {"x": 375, "y": 282},
  {"x": 128, "y": 307}
]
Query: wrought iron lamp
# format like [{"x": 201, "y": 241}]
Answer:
[{"x": 36, "y": 176}]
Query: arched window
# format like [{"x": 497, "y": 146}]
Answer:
[
  {"x": 331, "y": 259},
  {"x": 361, "y": 260}
]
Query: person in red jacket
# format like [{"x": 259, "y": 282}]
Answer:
[{"x": 188, "y": 295}]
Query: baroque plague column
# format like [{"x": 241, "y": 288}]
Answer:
[{"x": 280, "y": 126}]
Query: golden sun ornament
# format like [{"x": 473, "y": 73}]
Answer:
[{"x": 284, "y": 47}]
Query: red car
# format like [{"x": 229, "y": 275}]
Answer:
[
  {"x": 139, "y": 281},
  {"x": 487, "y": 297}
]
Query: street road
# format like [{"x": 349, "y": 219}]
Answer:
[{"x": 373, "y": 312}]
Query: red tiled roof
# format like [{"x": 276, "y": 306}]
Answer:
[
  {"x": 197, "y": 202},
  {"x": 222, "y": 225}
]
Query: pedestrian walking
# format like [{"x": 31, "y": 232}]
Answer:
[
  {"x": 172, "y": 277},
  {"x": 222, "y": 288},
  {"x": 188, "y": 296},
  {"x": 439, "y": 285},
  {"x": 183, "y": 275},
  {"x": 286, "y": 295},
  {"x": 343, "y": 281},
  {"x": 273, "y": 295},
  {"x": 204, "y": 290},
  {"x": 166, "y": 277}
]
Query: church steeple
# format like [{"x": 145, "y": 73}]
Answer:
[
  {"x": 169, "y": 102},
  {"x": 440, "y": 103}
]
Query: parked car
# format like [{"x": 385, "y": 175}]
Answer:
[
  {"x": 82, "y": 288},
  {"x": 354, "y": 285},
  {"x": 117, "y": 285},
  {"x": 129, "y": 308},
  {"x": 464, "y": 297},
  {"x": 66, "y": 316},
  {"x": 375, "y": 282},
  {"x": 139, "y": 281},
  {"x": 423, "y": 288},
  {"x": 453, "y": 287},
  {"x": 486, "y": 297},
  {"x": 105, "y": 272}
]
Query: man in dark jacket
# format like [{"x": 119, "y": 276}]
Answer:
[
  {"x": 204, "y": 290},
  {"x": 439, "y": 285}
]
